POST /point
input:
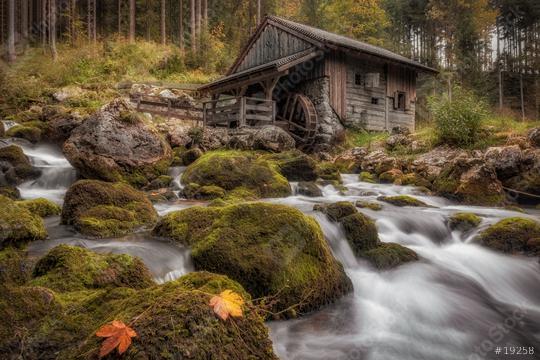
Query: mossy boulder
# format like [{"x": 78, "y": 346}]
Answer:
[
  {"x": 41, "y": 207},
  {"x": 274, "y": 251},
  {"x": 393, "y": 176},
  {"x": 308, "y": 188},
  {"x": 172, "y": 321},
  {"x": 402, "y": 200},
  {"x": 102, "y": 209},
  {"x": 367, "y": 177},
  {"x": 513, "y": 235},
  {"x": 15, "y": 267},
  {"x": 236, "y": 169},
  {"x": 329, "y": 171},
  {"x": 10, "y": 192},
  {"x": 189, "y": 156},
  {"x": 26, "y": 131},
  {"x": 295, "y": 165},
  {"x": 471, "y": 181},
  {"x": 72, "y": 268},
  {"x": 464, "y": 221},
  {"x": 116, "y": 144},
  {"x": 368, "y": 205},
  {"x": 361, "y": 232},
  {"x": 389, "y": 255},
  {"x": 209, "y": 192},
  {"x": 15, "y": 166},
  {"x": 160, "y": 182},
  {"x": 338, "y": 210},
  {"x": 18, "y": 226}
]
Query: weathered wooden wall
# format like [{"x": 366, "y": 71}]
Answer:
[
  {"x": 272, "y": 44},
  {"x": 381, "y": 116},
  {"x": 404, "y": 80},
  {"x": 336, "y": 69},
  {"x": 360, "y": 110}
]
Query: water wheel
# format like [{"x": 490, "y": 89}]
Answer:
[{"x": 298, "y": 116}]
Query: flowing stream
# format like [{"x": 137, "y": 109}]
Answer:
[{"x": 458, "y": 302}]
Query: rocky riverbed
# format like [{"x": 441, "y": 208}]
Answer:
[{"x": 362, "y": 254}]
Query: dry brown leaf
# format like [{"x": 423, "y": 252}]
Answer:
[
  {"x": 226, "y": 304},
  {"x": 118, "y": 335}
]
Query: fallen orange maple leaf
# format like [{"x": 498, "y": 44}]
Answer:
[
  {"x": 226, "y": 304},
  {"x": 118, "y": 335}
]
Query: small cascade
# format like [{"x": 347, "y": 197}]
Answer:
[
  {"x": 8, "y": 124},
  {"x": 441, "y": 307},
  {"x": 57, "y": 174},
  {"x": 176, "y": 173}
]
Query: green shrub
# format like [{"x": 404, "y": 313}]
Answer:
[{"x": 458, "y": 119}]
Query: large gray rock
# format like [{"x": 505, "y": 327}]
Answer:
[
  {"x": 116, "y": 144},
  {"x": 60, "y": 122},
  {"x": 430, "y": 164},
  {"x": 378, "y": 161},
  {"x": 505, "y": 160},
  {"x": 269, "y": 137},
  {"x": 393, "y": 141},
  {"x": 534, "y": 137},
  {"x": 528, "y": 178}
]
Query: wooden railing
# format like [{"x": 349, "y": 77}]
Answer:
[
  {"x": 167, "y": 107},
  {"x": 239, "y": 111}
]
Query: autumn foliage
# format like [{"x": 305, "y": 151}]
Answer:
[
  {"x": 227, "y": 303},
  {"x": 117, "y": 334}
]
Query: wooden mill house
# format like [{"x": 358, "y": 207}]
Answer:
[{"x": 313, "y": 83}]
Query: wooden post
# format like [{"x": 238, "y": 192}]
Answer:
[
  {"x": 500, "y": 90},
  {"x": 521, "y": 96},
  {"x": 204, "y": 114},
  {"x": 273, "y": 112},
  {"x": 242, "y": 114}
]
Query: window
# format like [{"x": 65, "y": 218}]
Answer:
[
  {"x": 358, "y": 79},
  {"x": 374, "y": 101},
  {"x": 400, "y": 101}
]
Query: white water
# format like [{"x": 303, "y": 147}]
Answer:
[
  {"x": 57, "y": 174},
  {"x": 445, "y": 306}
]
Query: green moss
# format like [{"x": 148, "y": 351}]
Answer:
[
  {"x": 22, "y": 169},
  {"x": 402, "y": 200},
  {"x": 10, "y": 192},
  {"x": 361, "y": 232},
  {"x": 18, "y": 225},
  {"x": 295, "y": 165},
  {"x": 190, "y": 156},
  {"x": 415, "y": 179},
  {"x": 209, "y": 192},
  {"x": 512, "y": 235},
  {"x": 272, "y": 250},
  {"x": 233, "y": 169},
  {"x": 41, "y": 207},
  {"x": 15, "y": 267},
  {"x": 336, "y": 211},
  {"x": 329, "y": 171},
  {"x": 368, "y": 204},
  {"x": 366, "y": 177},
  {"x": 389, "y": 255},
  {"x": 464, "y": 221},
  {"x": 103, "y": 209},
  {"x": 30, "y": 133},
  {"x": 132, "y": 117},
  {"x": 171, "y": 320},
  {"x": 71, "y": 268},
  {"x": 393, "y": 176}
]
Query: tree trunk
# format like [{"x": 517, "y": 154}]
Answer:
[
  {"x": 258, "y": 12},
  {"x": 131, "y": 21},
  {"x": 162, "y": 21},
  {"x": 205, "y": 15},
  {"x": 11, "y": 31},
  {"x": 73, "y": 21},
  {"x": 44, "y": 22},
  {"x": 91, "y": 19},
  {"x": 181, "y": 26},
  {"x": 24, "y": 22},
  {"x": 52, "y": 31},
  {"x": 192, "y": 25},
  {"x": 198, "y": 23},
  {"x": 119, "y": 17}
]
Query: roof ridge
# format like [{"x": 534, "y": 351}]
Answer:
[{"x": 326, "y": 36}]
